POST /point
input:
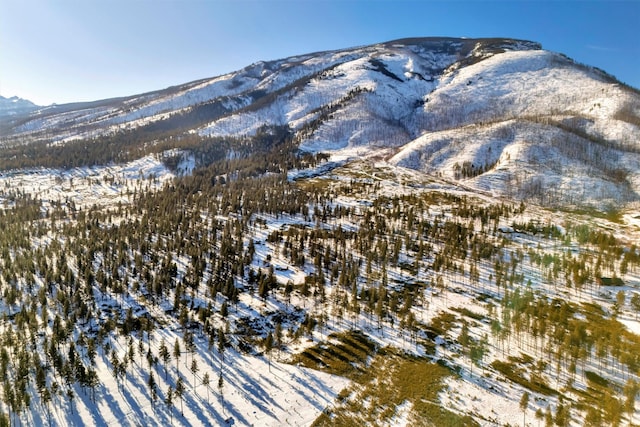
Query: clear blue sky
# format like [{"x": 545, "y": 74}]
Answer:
[{"x": 78, "y": 50}]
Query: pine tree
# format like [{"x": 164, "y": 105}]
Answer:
[
  {"x": 46, "y": 399},
  {"x": 224, "y": 309},
  {"x": 220, "y": 388},
  {"x": 176, "y": 351},
  {"x": 165, "y": 356},
  {"x": 206, "y": 380},
  {"x": 562, "y": 418},
  {"x": 222, "y": 342},
  {"x": 194, "y": 370},
  {"x": 151, "y": 382},
  {"x": 268, "y": 346},
  {"x": 92, "y": 381},
  {"x": 463, "y": 338},
  {"x": 168, "y": 400},
  {"x": 524, "y": 404},
  {"x": 548, "y": 417},
  {"x": 631, "y": 389},
  {"x": 635, "y": 303},
  {"x": 179, "y": 392}
]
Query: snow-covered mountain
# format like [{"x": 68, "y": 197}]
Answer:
[
  {"x": 14, "y": 105},
  {"x": 327, "y": 240},
  {"x": 498, "y": 115}
]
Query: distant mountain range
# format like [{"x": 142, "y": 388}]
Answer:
[
  {"x": 500, "y": 116},
  {"x": 14, "y": 105}
]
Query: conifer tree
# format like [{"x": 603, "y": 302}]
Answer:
[
  {"x": 179, "y": 392},
  {"x": 268, "y": 346},
  {"x": 168, "y": 400},
  {"x": 165, "y": 356},
  {"x": 176, "y": 351},
  {"x": 206, "y": 380},
  {"x": 524, "y": 404},
  {"x": 194, "y": 370}
]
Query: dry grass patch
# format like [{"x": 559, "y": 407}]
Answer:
[{"x": 395, "y": 380}]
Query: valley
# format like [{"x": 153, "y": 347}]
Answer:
[{"x": 254, "y": 281}]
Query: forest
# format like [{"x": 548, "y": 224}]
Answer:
[{"x": 242, "y": 258}]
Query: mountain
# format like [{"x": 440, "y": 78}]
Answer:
[
  {"x": 421, "y": 232},
  {"x": 498, "y": 115},
  {"x": 14, "y": 105}
]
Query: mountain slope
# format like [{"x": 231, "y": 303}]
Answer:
[
  {"x": 532, "y": 124},
  {"x": 397, "y": 99},
  {"x": 14, "y": 105}
]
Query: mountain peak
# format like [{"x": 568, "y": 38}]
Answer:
[
  {"x": 15, "y": 105},
  {"x": 497, "y": 114}
]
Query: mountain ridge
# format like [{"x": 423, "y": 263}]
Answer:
[
  {"x": 15, "y": 105},
  {"x": 385, "y": 96}
]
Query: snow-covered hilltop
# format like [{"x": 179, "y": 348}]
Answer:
[{"x": 499, "y": 115}]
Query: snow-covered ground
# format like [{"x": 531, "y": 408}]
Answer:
[
  {"x": 259, "y": 391},
  {"x": 253, "y": 393},
  {"x": 101, "y": 186}
]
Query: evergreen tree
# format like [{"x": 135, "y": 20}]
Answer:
[
  {"x": 168, "y": 400},
  {"x": 194, "y": 370},
  {"x": 179, "y": 392},
  {"x": 151, "y": 383},
  {"x": 524, "y": 404},
  {"x": 206, "y": 380},
  {"x": 268, "y": 346},
  {"x": 165, "y": 356},
  {"x": 176, "y": 351}
]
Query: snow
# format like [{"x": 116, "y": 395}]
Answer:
[
  {"x": 516, "y": 150},
  {"x": 401, "y": 418},
  {"x": 253, "y": 393},
  {"x": 490, "y": 403},
  {"x": 523, "y": 83},
  {"x": 137, "y": 111},
  {"x": 632, "y": 324},
  {"x": 91, "y": 186},
  {"x": 421, "y": 124},
  {"x": 502, "y": 108},
  {"x": 259, "y": 391}
]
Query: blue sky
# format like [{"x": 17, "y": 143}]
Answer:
[{"x": 79, "y": 50}]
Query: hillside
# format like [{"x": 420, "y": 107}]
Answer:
[
  {"x": 357, "y": 237},
  {"x": 14, "y": 105},
  {"x": 418, "y": 102}
]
